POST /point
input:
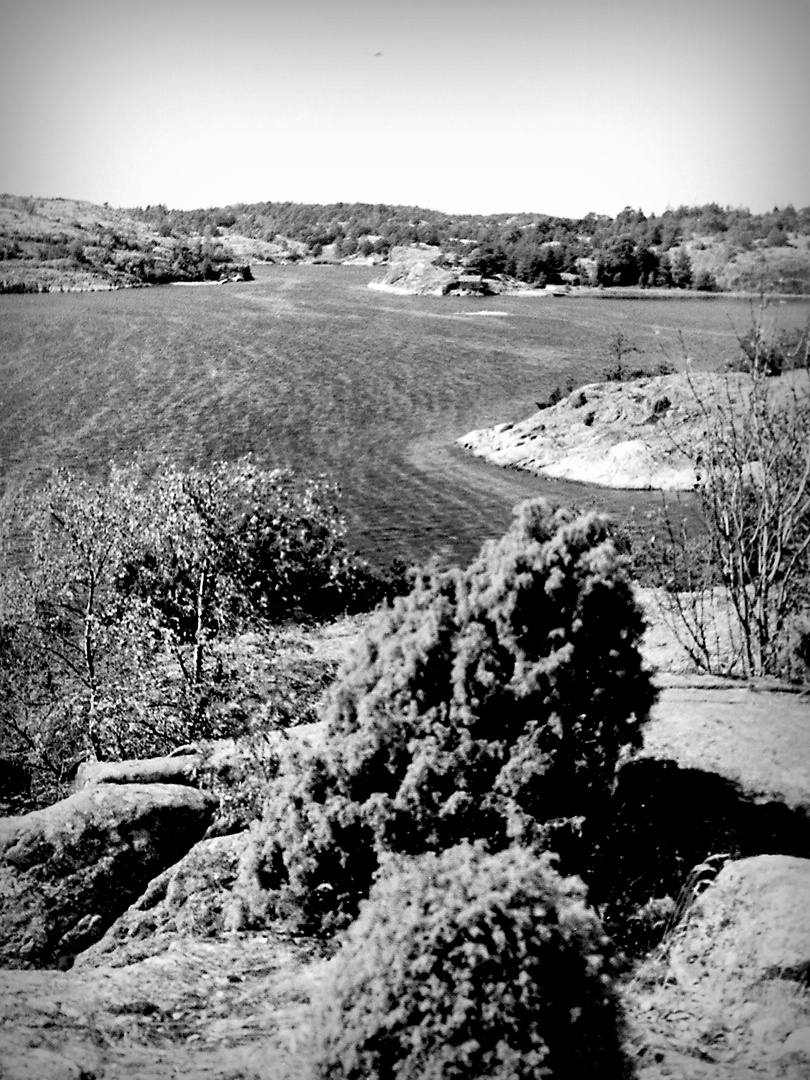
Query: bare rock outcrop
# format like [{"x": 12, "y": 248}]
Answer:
[
  {"x": 413, "y": 271},
  {"x": 184, "y": 766},
  {"x": 755, "y": 739},
  {"x": 750, "y": 926},
  {"x": 193, "y": 898},
  {"x": 68, "y": 871},
  {"x": 729, "y": 995},
  {"x": 723, "y": 769},
  {"x": 639, "y": 435},
  {"x": 233, "y": 1006},
  {"x": 180, "y": 769}
]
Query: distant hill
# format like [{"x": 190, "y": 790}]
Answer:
[{"x": 64, "y": 243}]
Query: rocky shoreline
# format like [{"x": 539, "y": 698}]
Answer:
[{"x": 643, "y": 434}]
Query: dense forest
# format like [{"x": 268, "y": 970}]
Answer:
[{"x": 705, "y": 248}]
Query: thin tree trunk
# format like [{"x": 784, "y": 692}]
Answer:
[
  {"x": 199, "y": 635},
  {"x": 90, "y": 667}
]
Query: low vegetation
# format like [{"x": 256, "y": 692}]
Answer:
[
  {"x": 55, "y": 244},
  {"x": 466, "y": 964},
  {"x": 743, "y": 577},
  {"x": 120, "y": 634},
  {"x": 488, "y": 704}
]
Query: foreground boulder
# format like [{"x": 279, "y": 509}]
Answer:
[
  {"x": 68, "y": 871},
  {"x": 726, "y": 998},
  {"x": 193, "y": 898},
  {"x": 751, "y": 926}
]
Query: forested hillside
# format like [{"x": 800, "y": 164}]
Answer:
[
  {"x": 53, "y": 244},
  {"x": 705, "y": 248},
  {"x": 702, "y": 247}
]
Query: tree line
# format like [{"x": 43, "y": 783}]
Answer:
[
  {"x": 155, "y": 244},
  {"x": 633, "y": 248}
]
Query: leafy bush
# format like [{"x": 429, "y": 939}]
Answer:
[
  {"x": 705, "y": 281},
  {"x": 492, "y": 703},
  {"x": 116, "y": 636},
  {"x": 771, "y": 354},
  {"x": 466, "y": 965},
  {"x": 797, "y": 647},
  {"x": 261, "y": 543}
]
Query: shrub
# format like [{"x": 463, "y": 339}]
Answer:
[
  {"x": 617, "y": 371},
  {"x": 705, "y": 281},
  {"x": 492, "y": 703},
  {"x": 467, "y": 965},
  {"x": 116, "y": 637},
  {"x": 261, "y": 543},
  {"x": 797, "y": 647},
  {"x": 557, "y": 394},
  {"x": 738, "y": 588},
  {"x": 772, "y": 353}
]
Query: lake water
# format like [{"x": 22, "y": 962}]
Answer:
[{"x": 308, "y": 367}]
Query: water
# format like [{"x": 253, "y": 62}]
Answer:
[{"x": 307, "y": 367}]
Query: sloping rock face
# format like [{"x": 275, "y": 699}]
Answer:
[
  {"x": 213, "y": 1009},
  {"x": 730, "y": 993},
  {"x": 756, "y": 739},
  {"x": 68, "y": 871},
  {"x": 190, "y": 899},
  {"x": 752, "y": 924},
  {"x": 629, "y": 435},
  {"x": 724, "y": 770},
  {"x": 413, "y": 272}
]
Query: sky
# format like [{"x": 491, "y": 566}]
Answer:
[{"x": 561, "y": 107}]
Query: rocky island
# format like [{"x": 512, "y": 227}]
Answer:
[{"x": 639, "y": 435}]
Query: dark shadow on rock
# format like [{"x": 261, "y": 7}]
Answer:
[
  {"x": 665, "y": 821},
  {"x": 70, "y": 870}
]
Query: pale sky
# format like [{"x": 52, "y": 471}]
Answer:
[{"x": 459, "y": 105}]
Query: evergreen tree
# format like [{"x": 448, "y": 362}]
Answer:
[{"x": 681, "y": 269}]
